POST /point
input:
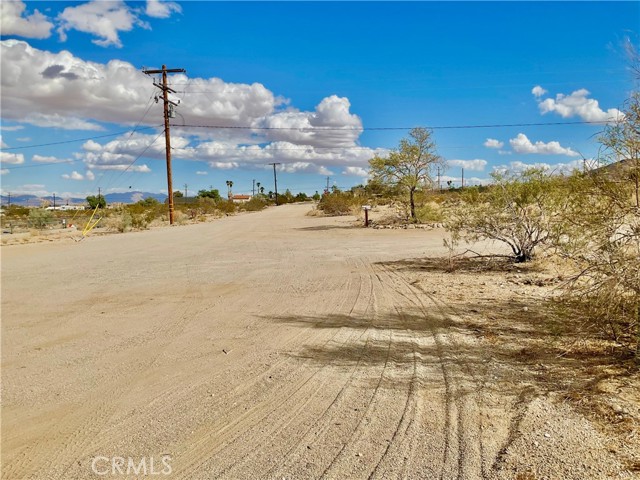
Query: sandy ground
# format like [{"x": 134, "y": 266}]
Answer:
[{"x": 275, "y": 345}]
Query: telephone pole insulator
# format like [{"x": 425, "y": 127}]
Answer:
[{"x": 168, "y": 113}]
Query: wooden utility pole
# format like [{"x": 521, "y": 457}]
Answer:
[
  {"x": 253, "y": 189},
  {"x": 167, "y": 135},
  {"x": 275, "y": 180}
]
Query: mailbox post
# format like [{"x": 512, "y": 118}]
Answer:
[{"x": 366, "y": 209}]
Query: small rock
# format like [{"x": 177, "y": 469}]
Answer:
[
  {"x": 546, "y": 435},
  {"x": 526, "y": 309}
]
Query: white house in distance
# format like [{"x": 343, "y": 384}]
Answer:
[{"x": 240, "y": 198}]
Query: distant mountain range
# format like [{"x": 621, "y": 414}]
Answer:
[{"x": 35, "y": 201}]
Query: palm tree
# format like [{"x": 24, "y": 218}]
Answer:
[
  {"x": 229, "y": 185},
  {"x": 258, "y": 184},
  {"x": 262, "y": 190}
]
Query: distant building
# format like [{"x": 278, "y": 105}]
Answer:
[{"x": 240, "y": 198}]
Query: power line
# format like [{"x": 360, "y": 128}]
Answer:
[
  {"x": 316, "y": 129},
  {"x": 358, "y": 129},
  {"x": 75, "y": 140}
]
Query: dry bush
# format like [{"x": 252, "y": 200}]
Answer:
[
  {"x": 519, "y": 210},
  {"x": 340, "y": 203}
]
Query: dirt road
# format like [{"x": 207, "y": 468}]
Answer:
[{"x": 266, "y": 345}]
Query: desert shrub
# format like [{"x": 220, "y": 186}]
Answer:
[
  {"x": 226, "y": 206},
  {"x": 339, "y": 203},
  {"x": 140, "y": 221},
  {"x": 40, "y": 218},
  {"x": 430, "y": 212},
  {"x": 520, "y": 210},
  {"x": 254, "y": 205},
  {"x": 600, "y": 234}
]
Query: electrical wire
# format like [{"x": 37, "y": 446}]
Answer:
[{"x": 5, "y": 149}]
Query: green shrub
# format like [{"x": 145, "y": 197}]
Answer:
[
  {"x": 339, "y": 203},
  {"x": 40, "y": 218}
]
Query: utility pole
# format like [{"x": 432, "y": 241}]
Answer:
[
  {"x": 462, "y": 185},
  {"x": 327, "y": 189},
  {"x": 185, "y": 190},
  {"x": 9, "y": 199},
  {"x": 167, "y": 135},
  {"x": 253, "y": 189},
  {"x": 54, "y": 201},
  {"x": 439, "y": 187},
  {"x": 275, "y": 180}
]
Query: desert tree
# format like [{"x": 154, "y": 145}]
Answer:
[
  {"x": 519, "y": 209},
  {"x": 409, "y": 167},
  {"x": 601, "y": 230}
]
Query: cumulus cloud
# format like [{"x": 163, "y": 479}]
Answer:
[
  {"x": 161, "y": 9},
  {"x": 202, "y": 172},
  {"x": 73, "y": 176},
  {"x": 356, "y": 171},
  {"x": 578, "y": 105},
  {"x": 558, "y": 168},
  {"x": 330, "y": 124},
  {"x": 49, "y": 159},
  {"x": 4, "y": 171},
  {"x": 57, "y": 71},
  {"x": 15, "y": 21},
  {"x": 538, "y": 91},
  {"x": 90, "y": 176},
  {"x": 493, "y": 143},
  {"x": 8, "y": 158},
  {"x": 475, "y": 164},
  {"x": 68, "y": 92},
  {"x": 101, "y": 19},
  {"x": 224, "y": 165},
  {"x": 521, "y": 144}
]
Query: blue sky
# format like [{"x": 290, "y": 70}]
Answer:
[{"x": 319, "y": 87}]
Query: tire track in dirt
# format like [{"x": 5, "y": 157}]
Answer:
[
  {"x": 271, "y": 403},
  {"x": 464, "y": 393},
  {"x": 289, "y": 440}
]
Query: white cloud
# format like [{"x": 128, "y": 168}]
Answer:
[
  {"x": 11, "y": 128},
  {"x": 99, "y": 18},
  {"x": 493, "y": 143},
  {"x": 76, "y": 93},
  {"x": 305, "y": 167},
  {"x": 578, "y": 105},
  {"x": 11, "y": 158},
  {"x": 331, "y": 124},
  {"x": 161, "y": 9},
  {"x": 4, "y": 171},
  {"x": 90, "y": 175},
  {"x": 475, "y": 164},
  {"x": 201, "y": 172},
  {"x": 518, "y": 166},
  {"x": 65, "y": 91},
  {"x": 73, "y": 176},
  {"x": 48, "y": 159},
  {"x": 58, "y": 121},
  {"x": 14, "y": 21},
  {"x": 356, "y": 171},
  {"x": 521, "y": 144},
  {"x": 224, "y": 165},
  {"x": 538, "y": 91}
]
